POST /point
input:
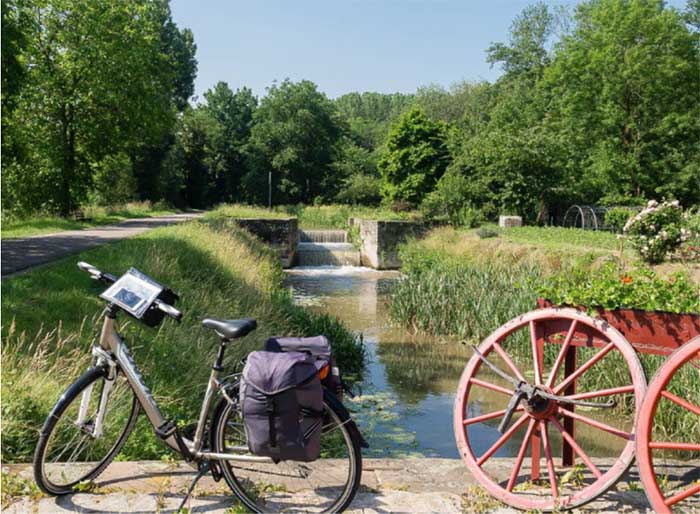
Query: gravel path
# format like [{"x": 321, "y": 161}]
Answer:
[{"x": 24, "y": 253}]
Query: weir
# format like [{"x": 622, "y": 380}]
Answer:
[{"x": 326, "y": 248}]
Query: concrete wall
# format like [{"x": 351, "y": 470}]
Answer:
[
  {"x": 281, "y": 234},
  {"x": 380, "y": 241}
]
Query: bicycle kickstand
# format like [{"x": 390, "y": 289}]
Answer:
[{"x": 204, "y": 468}]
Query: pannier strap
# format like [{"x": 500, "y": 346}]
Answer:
[
  {"x": 270, "y": 408},
  {"x": 310, "y": 413}
]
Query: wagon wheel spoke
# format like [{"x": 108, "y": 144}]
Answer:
[
  {"x": 562, "y": 353},
  {"x": 585, "y": 367},
  {"x": 521, "y": 455},
  {"x": 502, "y": 440},
  {"x": 550, "y": 460},
  {"x": 492, "y": 386},
  {"x": 536, "y": 353},
  {"x": 668, "y": 445},
  {"x": 690, "y": 491},
  {"x": 680, "y": 401},
  {"x": 577, "y": 449},
  {"x": 509, "y": 362},
  {"x": 597, "y": 424},
  {"x": 602, "y": 392},
  {"x": 486, "y": 417}
]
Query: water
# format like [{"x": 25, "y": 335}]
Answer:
[{"x": 409, "y": 385}]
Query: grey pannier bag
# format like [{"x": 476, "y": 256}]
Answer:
[
  {"x": 320, "y": 349},
  {"x": 282, "y": 405}
]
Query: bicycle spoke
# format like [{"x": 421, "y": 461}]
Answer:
[
  {"x": 579, "y": 451},
  {"x": 562, "y": 354},
  {"x": 585, "y": 367},
  {"x": 521, "y": 455},
  {"x": 501, "y": 440},
  {"x": 597, "y": 424},
  {"x": 680, "y": 401}
]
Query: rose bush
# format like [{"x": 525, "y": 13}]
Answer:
[{"x": 657, "y": 230}]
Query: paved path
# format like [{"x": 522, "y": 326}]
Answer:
[
  {"x": 27, "y": 252},
  {"x": 388, "y": 485}
]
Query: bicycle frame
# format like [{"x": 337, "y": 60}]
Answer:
[{"x": 113, "y": 352}]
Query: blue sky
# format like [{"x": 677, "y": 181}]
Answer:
[{"x": 350, "y": 45}]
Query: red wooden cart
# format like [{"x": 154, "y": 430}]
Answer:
[{"x": 550, "y": 410}]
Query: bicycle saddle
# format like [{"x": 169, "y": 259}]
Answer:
[{"x": 231, "y": 328}]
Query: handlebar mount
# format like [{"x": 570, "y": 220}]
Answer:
[{"x": 161, "y": 304}]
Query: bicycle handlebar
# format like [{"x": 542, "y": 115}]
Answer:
[{"x": 108, "y": 278}]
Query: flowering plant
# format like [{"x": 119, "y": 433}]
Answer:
[{"x": 657, "y": 230}]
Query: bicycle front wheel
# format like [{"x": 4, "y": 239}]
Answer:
[
  {"x": 327, "y": 484},
  {"x": 78, "y": 441}
]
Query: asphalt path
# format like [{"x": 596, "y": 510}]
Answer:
[{"x": 21, "y": 254}]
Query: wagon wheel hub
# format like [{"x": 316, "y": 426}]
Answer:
[{"x": 540, "y": 407}]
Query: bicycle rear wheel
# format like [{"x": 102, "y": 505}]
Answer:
[
  {"x": 70, "y": 449},
  {"x": 327, "y": 484}
]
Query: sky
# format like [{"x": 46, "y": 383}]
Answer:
[{"x": 347, "y": 45}]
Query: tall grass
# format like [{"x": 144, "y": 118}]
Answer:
[
  {"x": 313, "y": 216},
  {"x": 95, "y": 215},
  {"x": 51, "y": 316}
]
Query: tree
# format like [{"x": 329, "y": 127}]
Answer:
[
  {"x": 97, "y": 82},
  {"x": 415, "y": 158},
  {"x": 234, "y": 113},
  {"x": 296, "y": 136},
  {"x": 624, "y": 87}
]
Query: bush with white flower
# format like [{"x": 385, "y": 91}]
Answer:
[{"x": 657, "y": 230}]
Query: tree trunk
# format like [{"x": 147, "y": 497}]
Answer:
[{"x": 68, "y": 171}]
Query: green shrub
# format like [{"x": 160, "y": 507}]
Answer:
[
  {"x": 113, "y": 180},
  {"x": 616, "y": 218},
  {"x": 485, "y": 233}
]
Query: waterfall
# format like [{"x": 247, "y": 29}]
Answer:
[{"x": 326, "y": 248}]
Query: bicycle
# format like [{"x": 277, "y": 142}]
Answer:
[{"x": 93, "y": 418}]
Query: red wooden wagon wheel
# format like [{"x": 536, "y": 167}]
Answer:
[
  {"x": 652, "y": 452},
  {"x": 493, "y": 388}
]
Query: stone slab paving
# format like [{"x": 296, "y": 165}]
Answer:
[
  {"x": 27, "y": 252},
  {"x": 388, "y": 485}
]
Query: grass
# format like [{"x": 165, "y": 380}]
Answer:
[
  {"x": 95, "y": 216},
  {"x": 51, "y": 316},
  {"x": 313, "y": 216}
]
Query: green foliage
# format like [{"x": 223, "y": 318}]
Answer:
[
  {"x": 657, "y": 231},
  {"x": 79, "y": 102},
  {"x": 616, "y": 218},
  {"x": 52, "y": 315},
  {"x": 624, "y": 88},
  {"x": 114, "y": 182},
  {"x": 416, "y": 157},
  {"x": 611, "y": 288},
  {"x": 295, "y": 136}
]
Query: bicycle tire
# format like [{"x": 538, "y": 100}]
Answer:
[
  {"x": 350, "y": 432},
  {"x": 75, "y": 390}
]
